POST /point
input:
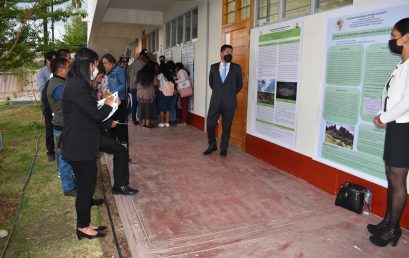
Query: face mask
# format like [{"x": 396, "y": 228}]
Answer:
[
  {"x": 228, "y": 58},
  {"x": 94, "y": 74},
  {"x": 394, "y": 47}
]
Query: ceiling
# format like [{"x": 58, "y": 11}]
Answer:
[{"x": 153, "y": 5}]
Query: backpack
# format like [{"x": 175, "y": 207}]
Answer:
[{"x": 167, "y": 87}]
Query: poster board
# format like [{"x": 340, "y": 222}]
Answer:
[
  {"x": 188, "y": 61},
  {"x": 273, "y": 104},
  {"x": 357, "y": 65}
]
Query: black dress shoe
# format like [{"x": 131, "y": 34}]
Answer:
[
  {"x": 209, "y": 150},
  {"x": 378, "y": 228},
  {"x": 124, "y": 190},
  {"x": 223, "y": 153},
  {"x": 100, "y": 228},
  {"x": 72, "y": 193},
  {"x": 388, "y": 235},
  {"x": 81, "y": 234},
  {"x": 97, "y": 202}
]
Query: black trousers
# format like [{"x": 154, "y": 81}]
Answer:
[
  {"x": 227, "y": 119},
  {"x": 121, "y": 168},
  {"x": 49, "y": 136},
  {"x": 85, "y": 175},
  {"x": 120, "y": 132}
]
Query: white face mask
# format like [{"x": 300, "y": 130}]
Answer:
[{"x": 94, "y": 74}]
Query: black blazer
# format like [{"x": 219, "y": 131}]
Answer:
[
  {"x": 82, "y": 121},
  {"x": 224, "y": 93}
]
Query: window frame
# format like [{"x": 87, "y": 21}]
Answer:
[{"x": 170, "y": 34}]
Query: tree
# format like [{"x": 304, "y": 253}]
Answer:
[
  {"x": 21, "y": 37},
  {"x": 75, "y": 35}
]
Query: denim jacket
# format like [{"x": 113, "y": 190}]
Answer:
[{"x": 117, "y": 81}]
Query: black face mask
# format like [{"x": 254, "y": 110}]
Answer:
[
  {"x": 394, "y": 47},
  {"x": 228, "y": 58}
]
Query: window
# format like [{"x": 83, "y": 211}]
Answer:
[
  {"x": 188, "y": 26},
  {"x": 323, "y": 5},
  {"x": 230, "y": 7},
  {"x": 295, "y": 8},
  {"x": 269, "y": 11},
  {"x": 194, "y": 23},
  {"x": 179, "y": 30},
  {"x": 173, "y": 37},
  {"x": 245, "y": 9},
  {"x": 182, "y": 29},
  {"x": 168, "y": 34},
  {"x": 153, "y": 39}
]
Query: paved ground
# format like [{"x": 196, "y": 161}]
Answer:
[{"x": 192, "y": 205}]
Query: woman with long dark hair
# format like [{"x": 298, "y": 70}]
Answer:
[
  {"x": 394, "y": 116},
  {"x": 81, "y": 135},
  {"x": 146, "y": 87},
  {"x": 164, "y": 101}
]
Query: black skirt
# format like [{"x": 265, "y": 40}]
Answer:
[{"x": 396, "y": 150}]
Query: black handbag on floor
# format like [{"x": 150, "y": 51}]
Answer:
[{"x": 351, "y": 197}]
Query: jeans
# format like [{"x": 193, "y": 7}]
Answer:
[
  {"x": 173, "y": 114},
  {"x": 134, "y": 104},
  {"x": 65, "y": 169}
]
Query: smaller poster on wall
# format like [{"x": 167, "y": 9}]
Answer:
[
  {"x": 278, "y": 71},
  {"x": 188, "y": 61}
]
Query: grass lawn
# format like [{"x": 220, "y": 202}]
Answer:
[{"x": 46, "y": 226}]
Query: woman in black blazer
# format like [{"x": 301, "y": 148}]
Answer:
[{"x": 81, "y": 135}]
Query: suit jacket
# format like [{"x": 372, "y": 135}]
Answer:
[
  {"x": 224, "y": 93},
  {"x": 82, "y": 121}
]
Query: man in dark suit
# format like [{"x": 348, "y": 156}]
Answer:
[{"x": 226, "y": 81}]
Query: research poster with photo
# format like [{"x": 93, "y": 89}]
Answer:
[
  {"x": 278, "y": 70},
  {"x": 358, "y": 64},
  {"x": 188, "y": 61}
]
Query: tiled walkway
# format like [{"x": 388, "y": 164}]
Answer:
[{"x": 192, "y": 205}]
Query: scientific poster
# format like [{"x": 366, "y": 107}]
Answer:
[
  {"x": 278, "y": 70},
  {"x": 358, "y": 64},
  {"x": 188, "y": 61}
]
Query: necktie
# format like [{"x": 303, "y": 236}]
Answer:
[{"x": 224, "y": 72}]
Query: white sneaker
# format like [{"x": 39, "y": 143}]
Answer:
[
  {"x": 167, "y": 125},
  {"x": 161, "y": 125}
]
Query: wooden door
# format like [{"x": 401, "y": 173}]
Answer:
[{"x": 237, "y": 34}]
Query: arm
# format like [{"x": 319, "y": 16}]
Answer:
[
  {"x": 80, "y": 94},
  {"x": 40, "y": 80},
  {"x": 181, "y": 76},
  {"x": 121, "y": 80},
  {"x": 239, "y": 79},
  {"x": 400, "y": 108},
  {"x": 211, "y": 78},
  {"x": 57, "y": 93}
]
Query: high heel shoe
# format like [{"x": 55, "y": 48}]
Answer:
[
  {"x": 81, "y": 234},
  {"x": 388, "y": 235},
  {"x": 378, "y": 228}
]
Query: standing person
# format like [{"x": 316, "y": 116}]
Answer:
[
  {"x": 117, "y": 82},
  {"x": 225, "y": 79},
  {"x": 65, "y": 53},
  {"x": 394, "y": 116},
  {"x": 55, "y": 89},
  {"x": 164, "y": 101},
  {"x": 146, "y": 87},
  {"x": 133, "y": 70},
  {"x": 183, "y": 75},
  {"x": 162, "y": 59},
  {"x": 81, "y": 135},
  {"x": 173, "y": 101},
  {"x": 43, "y": 75}
]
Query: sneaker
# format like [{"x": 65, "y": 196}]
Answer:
[
  {"x": 161, "y": 125},
  {"x": 167, "y": 125}
]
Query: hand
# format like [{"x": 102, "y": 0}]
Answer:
[
  {"x": 114, "y": 124},
  {"x": 378, "y": 123},
  {"x": 109, "y": 101}
]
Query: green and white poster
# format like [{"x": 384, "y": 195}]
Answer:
[
  {"x": 278, "y": 70},
  {"x": 358, "y": 64}
]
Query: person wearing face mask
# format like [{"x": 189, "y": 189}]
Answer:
[
  {"x": 394, "y": 116},
  {"x": 117, "y": 82},
  {"x": 82, "y": 135},
  {"x": 225, "y": 80}
]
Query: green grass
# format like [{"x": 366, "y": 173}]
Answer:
[{"x": 46, "y": 225}]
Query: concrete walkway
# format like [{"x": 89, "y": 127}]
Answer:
[{"x": 192, "y": 205}]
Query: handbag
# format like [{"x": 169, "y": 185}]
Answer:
[
  {"x": 351, "y": 197},
  {"x": 185, "y": 89}
]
